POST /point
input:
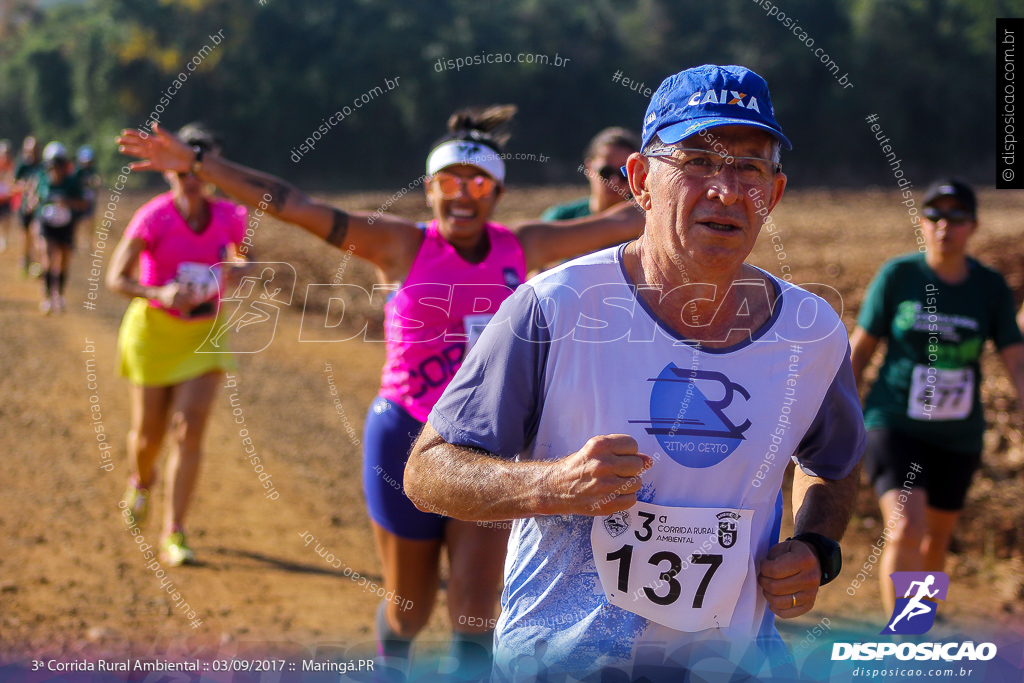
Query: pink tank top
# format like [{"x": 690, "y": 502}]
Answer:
[{"x": 439, "y": 312}]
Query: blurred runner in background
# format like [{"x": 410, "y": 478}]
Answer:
[
  {"x": 89, "y": 179},
  {"x": 6, "y": 192},
  {"x": 167, "y": 263},
  {"x": 924, "y": 414},
  {"x": 24, "y": 175},
  {"x": 602, "y": 163},
  {"x": 53, "y": 199}
]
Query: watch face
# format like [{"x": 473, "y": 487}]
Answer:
[
  {"x": 830, "y": 554},
  {"x": 832, "y": 558}
]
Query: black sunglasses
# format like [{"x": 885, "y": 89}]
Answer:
[
  {"x": 953, "y": 216},
  {"x": 607, "y": 172}
]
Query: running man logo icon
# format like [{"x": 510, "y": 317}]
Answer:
[
  {"x": 914, "y": 613},
  {"x": 254, "y": 306}
]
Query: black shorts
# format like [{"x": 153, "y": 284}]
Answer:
[
  {"x": 65, "y": 235},
  {"x": 26, "y": 221},
  {"x": 944, "y": 475}
]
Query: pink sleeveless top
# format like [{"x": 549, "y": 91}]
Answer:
[{"x": 439, "y": 312}]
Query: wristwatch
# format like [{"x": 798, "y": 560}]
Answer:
[
  {"x": 197, "y": 163},
  {"x": 830, "y": 555}
]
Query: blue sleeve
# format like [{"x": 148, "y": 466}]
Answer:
[
  {"x": 835, "y": 441},
  {"x": 494, "y": 401}
]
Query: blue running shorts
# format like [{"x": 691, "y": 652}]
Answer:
[{"x": 387, "y": 440}]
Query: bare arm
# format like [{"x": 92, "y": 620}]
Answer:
[
  {"x": 545, "y": 242},
  {"x": 120, "y": 278},
  {"x": 862, "y": 347},
  {"x": 790, "y": 576},
  {"x": 824, "y": 506},
  {"x": 122, "y": 263},
  {"x": 388, "y": 242},
  {"x": 470, "y": 484}
]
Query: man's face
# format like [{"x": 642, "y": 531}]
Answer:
[
  {"x": 57, "y": 170},
  {"x": 30, "y": 150},
  {"x": 616, "y": 188},
  {"x": 946, "y": 237},
  {"x": 715, "y": 220}
]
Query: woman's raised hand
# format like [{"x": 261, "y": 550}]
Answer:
[{"x": 159, "y": 151}]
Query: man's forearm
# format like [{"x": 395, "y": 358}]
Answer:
[
  {"x": 824, "y": 506},
  {"x": 471, "y": 485}
]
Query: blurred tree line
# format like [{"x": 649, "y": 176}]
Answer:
[{"x": 80, "y": 71}]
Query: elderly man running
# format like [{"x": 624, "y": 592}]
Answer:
[{"x": 635, "y": 409}]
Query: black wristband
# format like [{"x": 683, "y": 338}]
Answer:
[{"x": 830, "y": 554}]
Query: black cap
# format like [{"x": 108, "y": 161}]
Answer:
[{"x": 953, "y": 187}]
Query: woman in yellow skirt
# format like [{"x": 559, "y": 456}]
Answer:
[{"x": 169, "y": 262}]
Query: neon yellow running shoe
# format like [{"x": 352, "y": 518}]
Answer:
[
  {"x": 176, "y": 551},
  {"x": 138, "y": 502}
]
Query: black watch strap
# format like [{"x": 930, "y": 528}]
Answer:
[
  {"x": 830, "y": 554},
  {"x": 197, "y": 161}
]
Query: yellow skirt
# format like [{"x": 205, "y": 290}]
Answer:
[{"x": 155, "y": 348}]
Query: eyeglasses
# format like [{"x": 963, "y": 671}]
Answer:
[
  {"x": 609, "y": 172},
  {"x": 702, "y": 163},
  {"x": 953, "y": 216},
  {"x": 477, "y": 187}
]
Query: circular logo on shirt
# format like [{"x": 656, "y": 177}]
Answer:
[{"x": 688, "y": 415}]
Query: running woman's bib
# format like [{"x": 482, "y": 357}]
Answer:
[
  {"x": 173, "y": 252},
  {"x": 440, "y": 310},
  {"x": 199, "y": 280},
  {"x": 680, "y": 567},
  {"x": 938, "y": 394}
]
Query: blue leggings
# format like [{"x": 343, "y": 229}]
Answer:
[{"x": 387, "y": 440}]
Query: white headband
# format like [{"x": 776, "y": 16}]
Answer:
[{"x": 466, "y": 152}]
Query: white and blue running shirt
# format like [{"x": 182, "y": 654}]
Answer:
[{"x": 575, "y": 353}]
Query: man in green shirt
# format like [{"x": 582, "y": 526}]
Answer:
[{"x": 924, "y": 414}]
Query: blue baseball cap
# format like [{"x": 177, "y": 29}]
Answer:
[{"x": 708, "y": 96}]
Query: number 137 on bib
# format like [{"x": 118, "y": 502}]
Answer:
[{"x": 680, "y": 567}]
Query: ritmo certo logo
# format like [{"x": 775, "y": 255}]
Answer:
[{"x": 688, "y": 418}]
